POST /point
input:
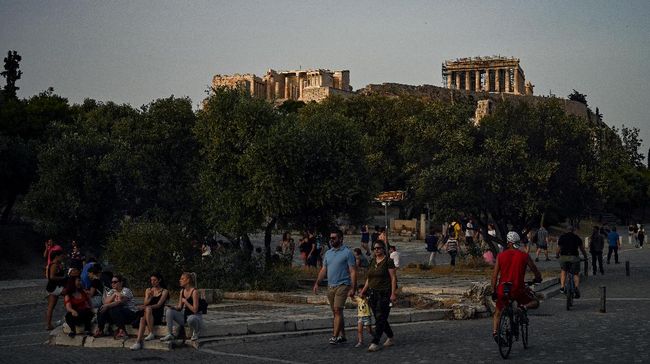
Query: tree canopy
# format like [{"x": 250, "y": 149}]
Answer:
[{"x": 239, "y": 166}]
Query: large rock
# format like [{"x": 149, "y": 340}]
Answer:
[
  {"x": 466, "y": 311},
  {"x": 478, "y": 291}
]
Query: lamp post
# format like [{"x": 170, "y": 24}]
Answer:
[{"x": 386, "y": 204}]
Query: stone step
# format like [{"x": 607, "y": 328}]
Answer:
[
  {"x": 218, "y": 333},
  {"x": 158, "y": 330}
]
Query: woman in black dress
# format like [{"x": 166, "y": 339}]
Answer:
[{"x": 152, "y": 311}]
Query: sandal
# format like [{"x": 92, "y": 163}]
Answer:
[{"x": 98, "y": 333}]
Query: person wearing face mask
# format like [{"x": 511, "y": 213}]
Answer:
[{"x": 340, "y": 268}]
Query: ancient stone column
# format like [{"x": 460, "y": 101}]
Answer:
[
  {"x": 457, "y": 80},
  {"x": 467, "y": 83},
  {"x": 507, "y": 79},
  {"x": 487, "y": 80},
  {"x": 477, "y": 80},
  {"x": 449, "y": 80},
  {"x": 299, "y": 84},
  {"x": 517, "y": 82},
  {"x": 497, "y": 80},
  {"x": 286, "y": 88}
]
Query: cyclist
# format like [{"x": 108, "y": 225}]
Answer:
[
  {"x": 567, "y": 248},
  {"x": 511, "y": 267}
]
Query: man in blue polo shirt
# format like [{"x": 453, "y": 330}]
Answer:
[
  {"x": 339, "y": 265},
  {"x": 614, "y": 241}
]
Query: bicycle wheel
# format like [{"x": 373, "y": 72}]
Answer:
[
  {"x": 523, "y": 329},
  {"x": 505, "y": 333}
]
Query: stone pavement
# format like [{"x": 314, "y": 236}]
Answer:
[{"x": 580, "y": 335}]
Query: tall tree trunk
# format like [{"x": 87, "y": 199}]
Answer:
[{"x": 267, "y": 238}]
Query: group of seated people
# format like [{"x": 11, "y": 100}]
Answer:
[{"x": 85, "y": 296}]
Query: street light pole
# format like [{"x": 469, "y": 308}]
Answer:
[{"x": 385, "y": 204}]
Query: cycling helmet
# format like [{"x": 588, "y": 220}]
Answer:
[{"x": 513, "y": 237}]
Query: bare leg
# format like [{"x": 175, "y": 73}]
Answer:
[
  {"x": 148, "y": 317},
  {"x": 338, "y": 322},
  {"x": 495, "y": 320},
  {"x": 562, "y": 274},
  {"x": 51, "y": 303},
  {"x": 360, "y": 332},
  {"x": 143, "y": 324},
  {"x": 576, "y": 280}
]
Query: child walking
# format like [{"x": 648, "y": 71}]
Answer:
[{"x": 363, "y": 314}]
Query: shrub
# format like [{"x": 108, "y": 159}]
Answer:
[
  {"x": 140, "y": 248},
  {"x": 233, "y": 270}
]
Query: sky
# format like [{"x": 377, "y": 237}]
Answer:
[{"x": 137, "y": 51}]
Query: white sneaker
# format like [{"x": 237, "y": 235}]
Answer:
[
  {"x": 150, "y": 337},
  {"x": 374, "y": 347},
  {"x": 389, "y": 342},
  {"x": 168, "y": 337},
  {"x": 136, "y": 346}
]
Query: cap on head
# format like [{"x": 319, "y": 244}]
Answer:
[{"x": 512, "y": 237}]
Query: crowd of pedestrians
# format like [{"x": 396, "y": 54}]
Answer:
[{"x": 99, "y": 298}]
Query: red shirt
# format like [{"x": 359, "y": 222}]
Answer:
[
  {"x": 78, "y": 303},
  {"x": 512, "y": 268}
]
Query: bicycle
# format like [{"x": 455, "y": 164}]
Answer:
[
  {"x": 513, "y": 323},
  {"x": 569, "y": 286}
]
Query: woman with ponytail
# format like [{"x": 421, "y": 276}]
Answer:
[{"x": 186, "y": 311}]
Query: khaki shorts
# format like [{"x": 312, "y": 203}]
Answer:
[{"x": 337, "y": 295}]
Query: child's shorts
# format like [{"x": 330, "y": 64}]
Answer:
[{"x": 364, "y": 320}]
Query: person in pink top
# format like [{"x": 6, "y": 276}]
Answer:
[{"x": 50, "y": 247}]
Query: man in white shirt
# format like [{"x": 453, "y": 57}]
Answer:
[
  {"x": 469, "y": 233},
  {"x": 394, "y": 255}
]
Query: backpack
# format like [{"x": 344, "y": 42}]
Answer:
[{"x": 203, "y": 304}]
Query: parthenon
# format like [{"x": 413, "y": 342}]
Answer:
[
  {"x": 302, "y": 85},
  {"x": 488, "y": 74}
]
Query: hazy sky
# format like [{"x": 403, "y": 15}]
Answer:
[{"x": 136, "y": 51}]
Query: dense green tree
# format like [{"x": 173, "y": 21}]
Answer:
[
  {"x": 115, "y": 161},
  {"x": 521, "y": 161},
  {"x": 226, "y": 127},
  {"x": 631, "y": 145},
  {"x": 260, "y": 167},
  {"x": 11, "y": 74},
  {"x": 25, "y": 126},
  {"x": 307, "y": 172}
]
